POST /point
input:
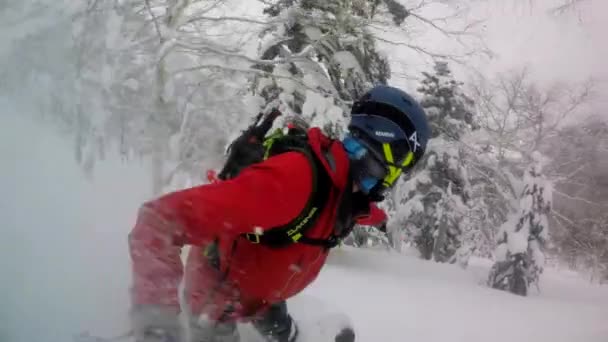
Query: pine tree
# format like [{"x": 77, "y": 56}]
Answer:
[
  {"x": 329, "y": 57},
  {"x": 433, "y": 202},
  {"x": 519, "y": 254},
  {"x": 518, "y": 118},
  {"x": 320, "y": 56}
]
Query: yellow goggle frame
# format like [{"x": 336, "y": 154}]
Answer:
[{"x": 394, "y": 171}]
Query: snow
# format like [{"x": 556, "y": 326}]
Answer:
[
  {"x": 309, "y": 81},
  {"x": 423, "y": 176},
  {"x": 500, "y": 252},
  {"x": 65, "y": 267},
  {"x": 321, "y": 109},
  {"x": 113, "y": 24},
  {"x": 132, "y": 84},
  {"x": 518, "y": 240},
  {"x": 416, "y": 297},
  {"x": 347, "y": 61},
  {"x": 412, "y": 206},
  {"x": 313, "y": 33},
  {"x": 431, "y": 161},
  {"x": 288, "y": 85}
]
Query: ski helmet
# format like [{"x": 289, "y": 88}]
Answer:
[{"x": 393, "y": 126}]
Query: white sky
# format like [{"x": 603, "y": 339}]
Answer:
[{"x": 570, "y": 47}]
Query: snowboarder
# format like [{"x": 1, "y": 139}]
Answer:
[{"x": 261, "y": 237}]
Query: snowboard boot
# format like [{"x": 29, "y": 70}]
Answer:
[
  {"x": 206, "y": 331},
  {"x": 276, "y": 325},
  {"x": 346, "y": 335}
]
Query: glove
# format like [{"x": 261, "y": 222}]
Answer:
[
  {"x": 152, "y": 323},
  {"x": 382, "y": 227}
]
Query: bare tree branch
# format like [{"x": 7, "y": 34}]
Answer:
[
  {"x": 228, "y": 18},
  {"x": 563, "y": 217},
  {"x": 566, "y": 6},
  {"x": 575, "y": 198},
  {"x": 208, "y": 46},
  {"x": 160, "y": 36},
  {"x": 453, "y": 57}
]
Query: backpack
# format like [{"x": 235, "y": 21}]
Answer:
[{"x": 254, "y": 145}]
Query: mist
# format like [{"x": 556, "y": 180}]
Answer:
[{"x": 63, "y": 246}]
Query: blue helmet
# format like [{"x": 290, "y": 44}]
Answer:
[{"x": 388, "y": 115}]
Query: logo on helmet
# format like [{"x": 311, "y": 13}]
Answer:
[
  {"x": 414, "y": 138},
  {"x": 385, "y": 134}
]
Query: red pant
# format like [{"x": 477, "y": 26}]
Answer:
[
  {"x": 199, "y": 279},
  {"x": 208, "y": 293}
]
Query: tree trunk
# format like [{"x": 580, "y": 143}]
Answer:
[{"x": 440, "y": 241}]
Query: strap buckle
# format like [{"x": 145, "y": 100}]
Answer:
[{"x": 253, "y": 238}]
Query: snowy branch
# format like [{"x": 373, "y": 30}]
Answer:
[
  {"x": 211, "y": 47},
  {"x": 227, "y": 68}
]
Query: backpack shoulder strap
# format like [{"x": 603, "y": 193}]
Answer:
[
  {"x": 344, "y": 221},
  {"x": 293, "y": 232}
]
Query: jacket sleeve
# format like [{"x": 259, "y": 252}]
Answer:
[{"x": 263, "y": 196}]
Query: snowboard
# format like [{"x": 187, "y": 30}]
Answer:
[{"x": 317, "y": 321}]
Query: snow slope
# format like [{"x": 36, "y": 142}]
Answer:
[
  {"x": 64, "y": 266},
  {"x": 395, "y": 298}
]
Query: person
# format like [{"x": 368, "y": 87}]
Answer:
[{"x": 230, "y": 276}]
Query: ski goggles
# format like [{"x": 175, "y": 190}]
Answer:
[
  {"x": 394, "y": 167},
  {"x": 378, "y": 168},
  {"x": 367, "y": 170},
  {"x": 394, "y": 155}
]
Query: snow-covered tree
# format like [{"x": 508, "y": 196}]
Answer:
[
  {"x": 579, "y": 215},
  {"x": 516, "y": 117},
  {"x": 328, "y": 58},
  {"x": 328, "y": 55},
  {"x": 519, "y": 255},
  {"x": 160, "y": 84},
  {"x": 321, "y": 56},
  {"x": 433, "y": 202},
  {"x": 365, "y": 236},
  {"x": 37, "y": 61},
  {"x": 151, "y": 74}
]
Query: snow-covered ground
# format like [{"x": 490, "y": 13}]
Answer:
[
  {"x": 396, "y": 298},
  {"x": 64, "y": 265}
]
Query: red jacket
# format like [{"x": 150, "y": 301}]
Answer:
[
  {"x": 263, "y": 196},
  {"x": 375, "y": 218}
]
